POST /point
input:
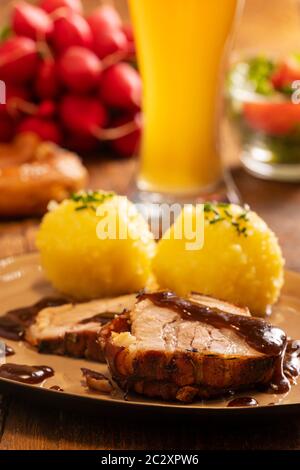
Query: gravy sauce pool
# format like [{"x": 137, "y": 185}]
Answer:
[
  {"x": 9, "y": 351},
  {"x": 242, "y": 401},
  {"x": 291, "y": 362},
  {"x": 14, "y": 322},
  {"x": 26, "y": 374},
  {"x": 57, "y": 388},
  {"x": 259, "y": 334}
]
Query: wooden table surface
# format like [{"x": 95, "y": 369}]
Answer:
[{"x": 25, "y": 425}]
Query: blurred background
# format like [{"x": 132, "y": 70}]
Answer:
[
  {"x": 269, "y": 28},
  {"x": 271, "y": 24}
]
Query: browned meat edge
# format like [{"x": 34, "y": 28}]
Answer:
[
  {"x": 181, "y": 376},
  {"x": 83, "y": 344}
]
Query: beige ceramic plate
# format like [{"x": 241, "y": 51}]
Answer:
[{"x": 22, "y": 283}]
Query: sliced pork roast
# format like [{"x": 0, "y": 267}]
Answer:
[
  {"x": 72, "y": 329},
  {"x": 213, "y": 303},
  {"x": 176, "y": 348}
]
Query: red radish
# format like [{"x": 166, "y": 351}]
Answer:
[
  {"x": 17, "y": 106},
  {"x": 18, "y": 60},
  {"x": 80, "y": 143},
  {"x": 52, "y": 5},
  {"x": 79, "y": 69},
  {"x": 31, "y": 21},
  {"x": 47, "y": 83},
  {"x": 103, "y": 17},
  {"x": 108, "y": 40},
  {"x": 108, "y": 37},
  {"x": 71, "y": 30},
  {"x": 7, "y": 129},
  {"x": 120, "y": 87},
  {"x": 128, "y": 31},
  {"x": 82, "y": 115},
  {"x": 128, "y": 145},
  {"x": 46, "y": 109},
  {"x": 13, "y": 92},
  {"x": 45, "y": 129}
]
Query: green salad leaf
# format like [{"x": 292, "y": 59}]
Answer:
[
  {"x": 253, "y": 75},
  {"x": 260, "y": 72}
]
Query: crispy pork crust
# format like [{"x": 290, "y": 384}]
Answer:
[
  {"x": 180, "y": 375},
  {"x": 74, "y": 332},
  {"x": 83, "y": 344}
]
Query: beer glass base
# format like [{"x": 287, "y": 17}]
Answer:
[
  {"x": 223, "y": 191},
  {"x": 155, "y": 205}
]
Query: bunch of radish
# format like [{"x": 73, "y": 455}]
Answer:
[{"x": 70, "y": 78}]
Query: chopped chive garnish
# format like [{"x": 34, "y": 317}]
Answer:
[
  {"x": 226, "y": 212},
  {"x": 89, "y": 198},
  {"x": 214, "y": 215},
  {"x": 217, "y": 219}
]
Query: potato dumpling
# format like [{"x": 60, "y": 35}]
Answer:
[
  {"x": 240, "y": 261},
  {"x": 84, "y": 266}
]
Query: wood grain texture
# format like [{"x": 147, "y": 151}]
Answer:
[
  {"x": 32, "y": 427},
  {"x": 25, "y": 425}
]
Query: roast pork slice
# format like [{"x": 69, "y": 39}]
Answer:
[
  {"x": 72, "y": 329},
  {"x": 157, "y": 352},
  {"x": 218, "y": 304}
]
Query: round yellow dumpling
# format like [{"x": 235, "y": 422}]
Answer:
[
  {"x": 240, "y": 261},
  {"x": 96, "y": 245}
]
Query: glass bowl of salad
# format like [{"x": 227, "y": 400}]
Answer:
[{"x": 263, "y": 105}]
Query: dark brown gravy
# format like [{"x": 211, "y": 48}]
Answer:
[
  {"x": 291, "y": 363},
  {"x": 57, "y": 388},
  {"x": 25, "y": 374},
  {"x": 14, "y": 322},
  {"x": 242, "y": 401},
  {"x": 9, "y": 351},
  {"x": 259, "y": 334},
  {"x": 101, "y": 318}
]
